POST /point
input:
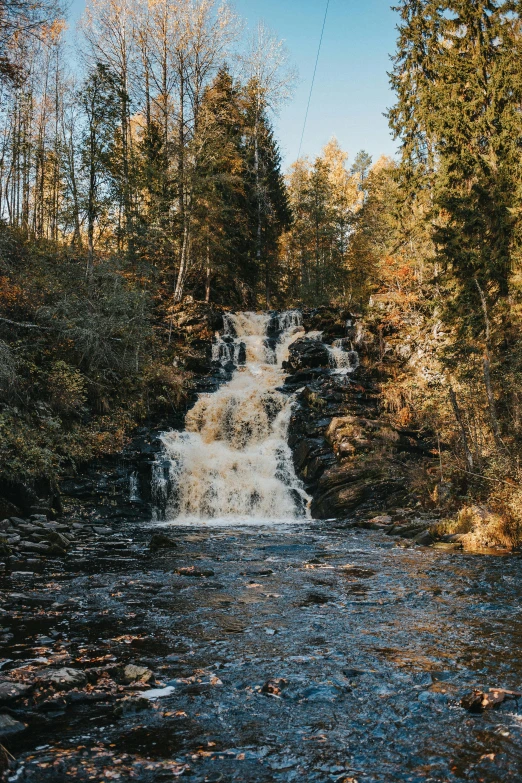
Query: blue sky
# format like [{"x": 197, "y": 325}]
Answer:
[{"x": 351, "y": 89}]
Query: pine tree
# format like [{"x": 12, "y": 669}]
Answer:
[
  {"x": 100, "y": 105},
  {"x": 269, "y": 212},
  {"x": 221, "y": 215},
  {"x": 459, "y": 88}
]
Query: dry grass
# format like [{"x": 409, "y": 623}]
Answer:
[{"x": 479, "y": 527}]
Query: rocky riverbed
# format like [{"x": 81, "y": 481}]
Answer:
[{"x": 313, "y": 652}]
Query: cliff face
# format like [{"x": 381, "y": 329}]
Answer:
[{"x": 349, "y": 456}]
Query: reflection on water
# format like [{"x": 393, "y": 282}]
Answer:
[{"x": 308, "y": 654}]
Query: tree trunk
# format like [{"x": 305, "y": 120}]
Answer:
[
  {"x": 460, "y": 422},
  {"x": 487, "y": 374},
  {"x": 207, "y": 282},
  {"x": 183, "y": 265}
]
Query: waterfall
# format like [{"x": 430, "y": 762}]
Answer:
[
  {"x": 233, "y": 462},
  {"x": 342, "y": 361}
]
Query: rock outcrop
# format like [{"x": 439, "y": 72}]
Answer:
[{"x": 347, "y": 453}]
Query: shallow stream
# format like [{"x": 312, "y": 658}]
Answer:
[{"x": 306, "y": 653}]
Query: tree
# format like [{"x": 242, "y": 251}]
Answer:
[
  {"x": 100, "y": 103},
  {"x": 270, "y": 81},
  {"x": 324, "y": 199},
  {"x": 459, "y": 89},
  {"x": 269, "y": 212},
  {"x": 221, "y": 224},
  {"x": 22, "y": 18}
]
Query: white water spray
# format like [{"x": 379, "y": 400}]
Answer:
[
  {"x": 342, "y": 361},
  {"x": 233, "y": 462}
]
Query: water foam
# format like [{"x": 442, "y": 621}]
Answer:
[{"x": 233, "y": 463}]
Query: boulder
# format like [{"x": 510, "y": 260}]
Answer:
[
  {"x": 11, "y": 690},
  {"x": 161, "y": 541},
  {"x": 63, "y": 679},
  {"x": 10, "y": 726},
  {"x": 424, "y": 539},
  {"x": 307, "y": 354},
  {"x": 133, "y": 673}
]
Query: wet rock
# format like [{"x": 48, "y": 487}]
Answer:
[
  {"x": 424, "y": 539},
  {"x": 133, "y": 673},
  {"x": 11, "y": 690},
  {"x": 274, "y": 687},
  {"x": 30, "y": 546},
  {"x": 17, "y": 521},
  {"x": 343, "y": 488},
  {"x": 132, "y": 705},
  {"x": 23, "y": 599},
  {"x": 446, "y": 546},
  {"x": 57, "y": 540},
  {"x": 161, "y": 541},
  {"x": 102, "y": 531},
  {"x": 478, "y": 701},
  {"x": 63, "y": 679},
  {"x": 40, "y": 511},
  {"x": 350, "y": 672},
  {"x": 9, "y": 726},
  {"x": 305, "y": 354},
  {"x": 357, "y": 572},
  {"x": 316, "y": 599},
  {"x": 257, "y": 572},
  {"x": 196, "y": 573}
]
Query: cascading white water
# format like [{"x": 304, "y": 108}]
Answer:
[
  {"x": 342, "y": 361},
  {"x": 233, "y": 463}
]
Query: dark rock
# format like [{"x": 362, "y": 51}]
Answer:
[
  {"x": 58, "y": 540},
  {"x": 19, "y": 494},
  {"x": 40, "y": 511},
  {"x": 317, "y": 599},
  {"x": 424, "y": 539},
  {"x": 131, "y": 705},
  {"x": 11, "y": 690},
  {"x": 342, "y": 489},
  {"x": 478, "y": 701},
  {"x": 30, "y": 546},
  {"x": 161, "y": 541},
  {"x": 9, "y": 726},
  {"x": 307, "y": 354},
  {"x": 102, "y": 531},
  {"x": 63, "y": 679},
  {"x": 274, "y": 687},
  {"x": 197, "y": 573}
]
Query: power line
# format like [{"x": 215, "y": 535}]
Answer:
[{"x": 313, "y": 78}]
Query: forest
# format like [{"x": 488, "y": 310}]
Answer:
[{"x": 144, "y": 174}]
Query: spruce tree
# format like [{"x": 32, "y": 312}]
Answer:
[
  {"x": 221, "y": 213},
  {"x": 459, "y": 88},
  {"x": 269, "y": 211}
]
